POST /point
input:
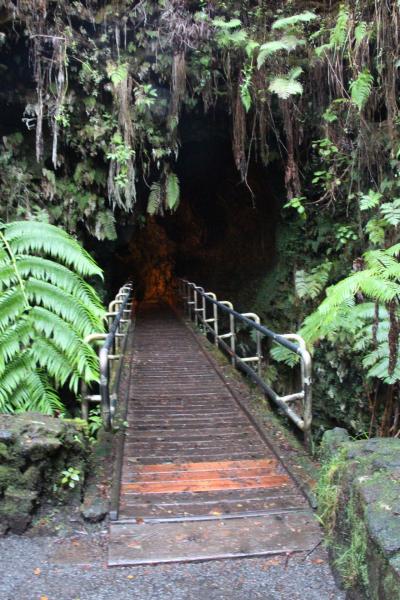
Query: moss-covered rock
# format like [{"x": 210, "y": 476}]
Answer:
[
  {"x": 8, "y": 476},
  {"x": 359, "y": 504},
  {"x": 34, "y": 451}
]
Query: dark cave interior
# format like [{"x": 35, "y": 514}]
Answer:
[{"x": 222, "y": 236}]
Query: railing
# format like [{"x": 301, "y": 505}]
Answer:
[
  {"x": 203, "y": 307},
  {"x": 110, "y": 356}
]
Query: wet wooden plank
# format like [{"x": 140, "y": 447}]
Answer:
[
  {"x": 219, "y": 509},
  {"x": 191, "y": 455},
  {"x": 147, "y": 543},
  {"x": 202, "y": 485},
  {"x": 194, "y": 467}
]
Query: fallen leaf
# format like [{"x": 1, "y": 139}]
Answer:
[
  {"x": 37, "y": 571},
  {"x": 272, "y": 562},
  {"x": 131, "y": 577},
  {"x": 317, "y": 561},
  {"x": 44, "y": 598}
]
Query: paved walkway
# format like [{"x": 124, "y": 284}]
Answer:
[{"x": 75, "y": 569}]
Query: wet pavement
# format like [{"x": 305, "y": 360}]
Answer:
[{"x": 74, "y": 568}]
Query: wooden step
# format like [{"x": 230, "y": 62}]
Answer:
[{"x": 153, "y": 543}]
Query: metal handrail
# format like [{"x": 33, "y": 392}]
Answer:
[
  {"x": 110, "y": 352},
  {"x": 191, "y": 295}
]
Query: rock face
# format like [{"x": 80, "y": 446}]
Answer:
[
  {"x": 34, "y": 451},
  {"x": 360, "y": 495}
]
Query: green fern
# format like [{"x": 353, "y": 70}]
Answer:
[
  {"x": 361, "y": 89},
  {"x": 360, "y": 32},
  {"x": 46, "y": 310},
  {"x": 105, "y": 226},
  {"x": 172, "y": 192},
  {"x": 287, "y": 86},
  {"x": 286, "y": 22},
  {"x": 154, "y": 202},
  {"x": 370, "y": 200},
  {"x": 310, "y": 285},
  {"x": 164, "y": 194},
  {"x": 378, "y": 285},
  {"x": 391, "y": 212},
  {"x": 287, "y": 43},
  {"x": 339, "y": 33}
]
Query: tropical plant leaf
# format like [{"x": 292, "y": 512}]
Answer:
[
  {"x": 154, "y": 202},
  {"x": 285, "y": 22},
  {"x": 361, "y": 88},
  {"x": 285, "y": 87},
  {"x": 172, "y": 192},
  {"x": 46, "y": 310}
]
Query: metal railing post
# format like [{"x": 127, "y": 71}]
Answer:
[
  {"x": 258, "y": 357},
  {"x": 109, "y": 353},
  {"x": 232, "y": 333},
  {"x": 303, "y": 421}
]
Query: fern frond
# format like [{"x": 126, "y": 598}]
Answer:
[
  {"x": 70, "y": 308},
  {"x": 65, "y": 279},
  {"x": 310, "y": 285},
  {"x": 379, "y": 289},
  {"x": 25, "y": 237},
  {"x": 12, "y": 341},
  {"x": 284, "y": 87},
  {"x": 36, "y": 394},
  {"x": 8, "y": 276},
  {"x": 287, "y": 43},
  {"x": 105, "y": 226},
  {"x": 47, "y": 356},
  {"x": 172, "y": 192},
  {"x": 14, "y": 375},
  {"x": 361, "y": 88},
  {"x": 391, "y": 212},
  {"x": 68, "y": 341},
  {"x": 339, "y": 33},
  {"x": 370, "y": 200},
  {"x": 46, "y": 309},
  {"x": 12, "y": 306},
  {"x": 154, "y": 201},
  {"x": 285, "y": 22},
  {"x": 360, "y": 32}
]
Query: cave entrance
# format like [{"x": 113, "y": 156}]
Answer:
[{"x": 223, "y": 234}]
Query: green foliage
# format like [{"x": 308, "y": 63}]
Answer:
[
  {"x": 339, "y": 33},
  {"x": 328, "y": 491},
  {"x": 370, "y": 200},
  {"x": 172, "y": 195},
  {"x": 360, "y": 32},
  {"x": 70, "y": 477},
  {"x": 289, "y": 43},
  {"x": 286, "y": 22},
  {"x": 284, "y": 87},
  {"x": 245, "y": 86},
  {"x": 117, "y": 73},
  {"x": 229, "y": 34},
  {"x": 46, "y": 310},
  {"x": 298, "y": 204},
  {"x": 164, "y": 194},
  {"x": 95, "y": 422},
  {"x": 379, "y": 282},
  {"x": 361, "y": 89},
  {"x": 310, "y": 285},
  {"x": 154, "y": 201}
]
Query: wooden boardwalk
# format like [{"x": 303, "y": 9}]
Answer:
[{"x": 198, "y": 481}]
